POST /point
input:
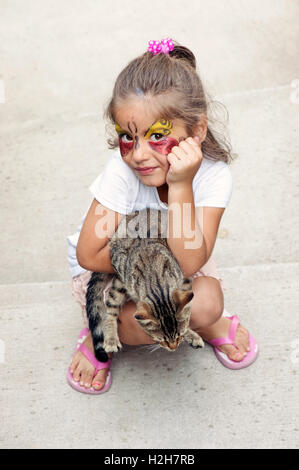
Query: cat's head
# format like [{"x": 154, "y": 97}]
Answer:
[{"x": 166, "y": 321}]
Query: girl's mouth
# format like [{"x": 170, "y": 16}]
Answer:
[{"x": 146, "y": 170}]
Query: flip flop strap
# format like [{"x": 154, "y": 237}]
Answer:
[
  {"x": 230, "y": 339},
  {"x": 98, "y": 365},
  {"x": 84, "y": 332}
]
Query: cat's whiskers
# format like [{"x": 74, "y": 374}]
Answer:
[
  {"x": 155, "y": 347},
  {"x": 151, "y": 347},
  {"x": 146, "y": 346}
]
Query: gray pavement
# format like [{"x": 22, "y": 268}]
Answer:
[{"x": 59, "y": 61}]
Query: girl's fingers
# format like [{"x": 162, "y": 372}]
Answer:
[
  {"x": 179, "y": 152},
  {"x": 194, "y": 143},
  {"x": 193, "y": 152},
  {"x": 173, "y": 159},
  {"x": 197, "y": 140},
  {"x": 175, "y": 164},
  {"x": 184, "y": 145},
  {"x": 188, "y": 147}
]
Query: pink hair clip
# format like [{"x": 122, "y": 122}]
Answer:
[{"x": 157, "y": 47}]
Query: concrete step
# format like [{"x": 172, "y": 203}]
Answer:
[{"x": 204, "y": 404}]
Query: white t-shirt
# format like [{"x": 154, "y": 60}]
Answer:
[{"x": 118, "y": 189}]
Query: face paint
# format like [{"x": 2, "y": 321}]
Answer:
[
  {"x": 163, "y": 127},
  {"x": 124, "y": 146},
  {"x": 163, "y": 145},
  {"x": 130, "y": 128}
]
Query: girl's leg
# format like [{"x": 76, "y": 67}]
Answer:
[
  {"x": 129, "y": 333},
  {"x": 206, "y": 316},
  {"x": 206, "y": 319},
  {"x": 128, "y": 329}
]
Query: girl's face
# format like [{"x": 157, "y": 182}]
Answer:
[{"x": 145, "y": 141}]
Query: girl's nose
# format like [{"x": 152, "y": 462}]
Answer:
[{"x": 140, "y": 152}]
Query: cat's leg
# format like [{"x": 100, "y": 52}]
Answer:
[
  {"x": 193, "y": 339},
  {"x": 117, "y": 296}
]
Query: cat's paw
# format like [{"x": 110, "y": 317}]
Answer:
[
  {"x": 197, "y": 343},
  {"x": 193, "y": 339},
  {"x": 112, "y": 345}
]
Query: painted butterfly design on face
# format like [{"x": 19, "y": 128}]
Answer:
[{"x": 157, "y": 136}]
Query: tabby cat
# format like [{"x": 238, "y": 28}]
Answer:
[{"x": 147, "y": 273}]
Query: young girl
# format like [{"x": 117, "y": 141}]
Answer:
[{"x": 166, "y": 156}]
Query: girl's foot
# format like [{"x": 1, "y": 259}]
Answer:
[
  {"x": 221, "y": 329},
  {"x": 82, "y": 370}
]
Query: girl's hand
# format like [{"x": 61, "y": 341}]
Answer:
[{"x": 184, "y": 159}]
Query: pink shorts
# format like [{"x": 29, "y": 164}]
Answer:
[{"x": 80, "y": 282}]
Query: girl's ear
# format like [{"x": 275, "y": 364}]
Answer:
[{"x": 201, "y": 128}]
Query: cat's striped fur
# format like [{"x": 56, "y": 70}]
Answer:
[{"x": 146, "y": 272}]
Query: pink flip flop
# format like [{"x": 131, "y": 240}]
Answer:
[
  {"x": 93, "y": 360},
  {"x": 230, "y": 339}
]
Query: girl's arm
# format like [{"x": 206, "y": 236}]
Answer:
[
  {"x": 192, "y": 232},
  {"x": 197, "y": 228},
  {"x": 93, "y": 252}
]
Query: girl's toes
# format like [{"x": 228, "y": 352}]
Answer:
[
  {"x": 247, "y": 343},
  {"x": 233, "y": 353},
  {"x": 77, "y": 374},
  {"x": 74, "y": 364},
  {"x": 87, "y": 380},
  {"x": 244, "y": 339},
  {"x": 100, "y": 379},
  {"x": 236, "y": 355},
  {"x": 98, "y": 385}
]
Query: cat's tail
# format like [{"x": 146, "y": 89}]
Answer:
[{"x": 95, "y": 308}]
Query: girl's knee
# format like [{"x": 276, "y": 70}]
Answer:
[
  {"x": 207, "y": 304},
  {"x": 212, "y": 310}
]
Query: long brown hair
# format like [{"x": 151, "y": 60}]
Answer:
[{"x": 172, "y": 80}]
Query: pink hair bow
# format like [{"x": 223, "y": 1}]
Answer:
[{"x": 165, "y": 46}]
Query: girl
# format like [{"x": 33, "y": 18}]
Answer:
[{"x": 166, "y": 156}]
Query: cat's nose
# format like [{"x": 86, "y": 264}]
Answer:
[{"x": 173, "y": 345}]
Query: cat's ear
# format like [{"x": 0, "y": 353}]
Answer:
[
  {"x": 143, "y": 311},
  {"x": 182, "y": 297},
  {"x": 187, "y": 283}
]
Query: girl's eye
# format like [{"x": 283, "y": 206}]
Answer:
[
  {"x": 126, "y": 138},
  {"x": 156, "y": 137}
]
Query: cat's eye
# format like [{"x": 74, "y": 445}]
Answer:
[
  {"x": 139, "y": 317},
  {"x": 156, "y": 137}
]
